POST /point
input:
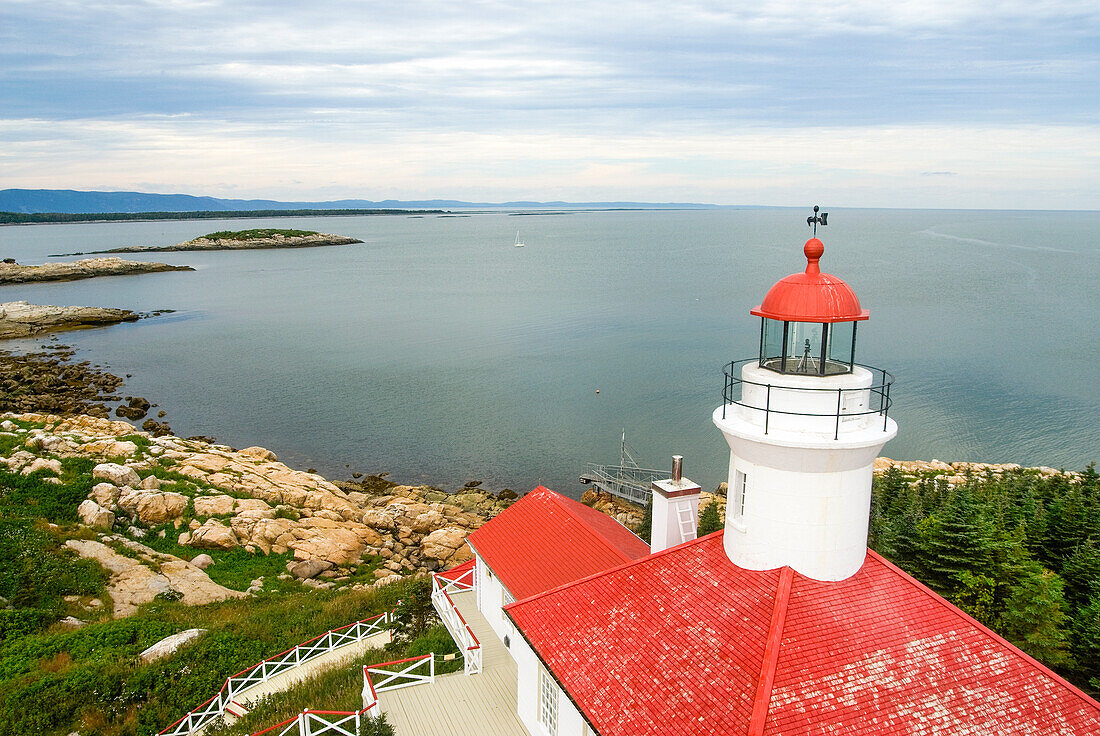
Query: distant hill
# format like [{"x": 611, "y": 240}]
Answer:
[{"x": 71, "y": 201}]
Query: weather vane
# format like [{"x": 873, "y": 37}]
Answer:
[{"x": 817, "y": 219}]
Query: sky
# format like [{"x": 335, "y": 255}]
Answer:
[{"x": 858, "y": 103}]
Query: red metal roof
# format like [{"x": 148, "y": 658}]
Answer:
[
  {"x": 545, "y": 540},
  {"x": 688, "y": 643},
  {"x": 811, "y": 296}
]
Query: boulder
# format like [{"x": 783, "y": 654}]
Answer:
[
  {"x": 202, "y": 561},
  {"x": 213, "y": 535},
  {"x": 105, "y": 494},
  {"x": 119, "y": 475},
  {"x": 151, "y": 483},
  {"x": 94, "y": 515},
  {"x": 306, "y": 569},
  {"x": 18, "y": 460},
  {"x": 169, "y": 645},
  {"x": 442, "y": 544},
  {"x": 109, "y": 447},
  {"x": 251, "y": 504},
  {"x": 213, "y": 505},
  {"x": 260, "y": 453},
  {"x": 42, "y": 463},
  {"x": 379, "y": 519},
  {"x": 428, "y": 521},
  {"x": 153, "y": 507}
]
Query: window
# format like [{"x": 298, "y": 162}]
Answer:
[
  {"x": 737, "y": 499},
  {"x": 548, "y": 702},
  {"x": 505, "y": 599}
]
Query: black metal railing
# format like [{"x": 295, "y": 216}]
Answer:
[{"x": 880, "y": 389}]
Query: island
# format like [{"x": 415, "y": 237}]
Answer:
[
  {"x": 15, "y": 273},
  {"x": 241, "y": 240}
]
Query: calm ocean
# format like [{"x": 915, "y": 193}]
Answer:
[{"x": 441, "y": 353}]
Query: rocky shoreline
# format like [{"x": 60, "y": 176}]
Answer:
[
  {"x": 208, "y": 244},
  {"x": 23, "y": 319},
  {"x": 214, "y": 497},
  {"x": 15, "y": 273},
  {"x": 201, "y": 496}
]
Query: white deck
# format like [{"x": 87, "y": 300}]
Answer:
[{"x": 457, "y": 704}]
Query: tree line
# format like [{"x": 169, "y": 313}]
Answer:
[
  {"x": 1018, "y": 551},
  {"x": 27, "y": 218}
]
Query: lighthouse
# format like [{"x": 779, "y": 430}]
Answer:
[{"x": 804, "y": 422}]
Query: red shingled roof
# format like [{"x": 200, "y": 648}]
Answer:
[
  {"x": 689, "y": 643},
  {"x": 545, "y": 540}
]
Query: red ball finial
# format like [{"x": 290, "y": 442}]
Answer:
[{"x": 813, "y": 249}]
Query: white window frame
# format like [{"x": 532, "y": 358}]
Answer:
[
  {"x": 548, "y": 702},
  {"x": 505, "y": 599},
  {"x": 735, "y": 506}
]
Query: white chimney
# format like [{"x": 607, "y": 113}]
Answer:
[{"x": 675, "y": 509}]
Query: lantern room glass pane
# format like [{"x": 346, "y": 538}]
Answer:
[
  {"x": 804, "y": 348},
  {"x": 771, "y": 344},
  {"x": 841, "y": 348}
]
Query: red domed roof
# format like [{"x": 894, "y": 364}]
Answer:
[{"x": 811, "y": 296}]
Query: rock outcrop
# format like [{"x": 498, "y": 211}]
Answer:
[
  {"x": 169, "y": 645},
  {"x": 246, "y": 498},
  {"x": 14, "y": 273},
  {"x": 958, "y": 472},
  {"x": 134, "y": 582},
  {"x": 23, "y": 319}
]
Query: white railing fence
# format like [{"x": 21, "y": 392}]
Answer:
[
  {"x": 411, "y": 674},
  {"x": 316, "y": 722},
  {"x": 458, "y": 583},
  {"x": 347, "y": 723},
  {"x": 263, "y": 671},
  {"x": 452, "y": 618}
]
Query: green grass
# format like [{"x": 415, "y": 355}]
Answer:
[
  {"x": 30, "y": 496},
  {"x": 234, "y": 568},
  {"x": 89, "y": 680},
  {"x": 264, "y": 232}
]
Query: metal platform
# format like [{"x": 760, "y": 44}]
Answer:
[{"x": 627, "y": 480}]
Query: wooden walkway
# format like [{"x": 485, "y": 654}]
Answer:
[{"x": 457, "y": 704}]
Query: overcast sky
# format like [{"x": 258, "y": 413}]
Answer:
[{"x": 929, "y": 103}]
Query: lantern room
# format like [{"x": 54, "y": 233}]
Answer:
[{"x": 808, "y": 321}]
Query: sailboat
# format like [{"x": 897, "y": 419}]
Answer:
[{"x": 519, "y": 243}]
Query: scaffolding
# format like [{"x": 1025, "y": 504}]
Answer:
[{"x": 627, "y": 480}]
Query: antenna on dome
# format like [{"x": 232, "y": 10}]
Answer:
[{"x": 817, "y": 219}]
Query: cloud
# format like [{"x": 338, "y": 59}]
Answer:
[
  {"x": 428, "y": 96},
  {"x": 856, "y": 166}
]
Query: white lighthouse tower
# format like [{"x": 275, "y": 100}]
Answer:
[{"x": 804, "y": 423}]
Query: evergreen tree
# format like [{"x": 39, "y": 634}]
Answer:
[
  {"x": 1034, "y": 617},
  {"x": 414, "y": 614},
  {"x": 1081, "y": 573},
  {"x": 1086, "y": 642},
  {"x": 709, "y": 520},
  {"x": 375, "y": 726},
  {"x": 956, "y": 539}
]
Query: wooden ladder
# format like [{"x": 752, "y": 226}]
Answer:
[{"x": 687, "y": 524}]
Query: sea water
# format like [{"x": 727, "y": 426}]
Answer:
[{"x": 438, "y": 351}]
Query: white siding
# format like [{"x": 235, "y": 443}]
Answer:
[
  {"x": 491, "y": 598},
  {"x": 570, "y": 722}
]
